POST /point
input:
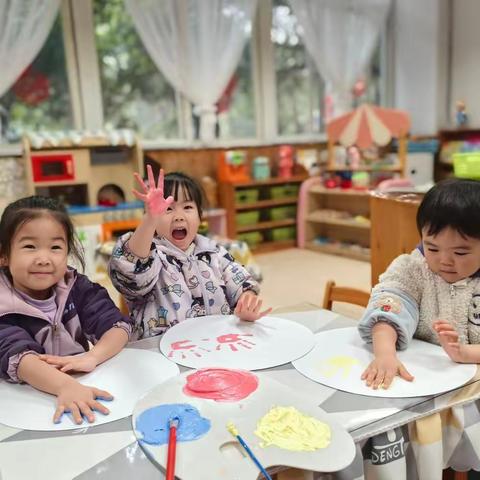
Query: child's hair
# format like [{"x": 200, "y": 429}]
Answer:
[
  {"x": 192, "y": 191},
  {"x": 111, "y": 193},
  {"x": 29, "y": 208},
  {"x": 453, "y": 203}
]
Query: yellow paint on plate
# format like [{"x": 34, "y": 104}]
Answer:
[
  {"x": 340, "y": 364},
  {"x": 286, "y": 427}
]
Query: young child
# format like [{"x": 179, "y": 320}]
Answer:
[
  {"x": 432, "y": 293},
  {"x": 49, "y": 312},
  {"x": 167, "y": 272}
]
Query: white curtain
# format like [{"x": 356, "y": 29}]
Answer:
[
  {"x": 196, "y": 44},
  {"x": 24, "y": 27},
  {"x": 341, "y": 35}
]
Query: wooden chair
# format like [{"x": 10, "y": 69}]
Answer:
[{"x": 343, "y": 294}]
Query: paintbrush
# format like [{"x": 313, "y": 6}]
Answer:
[
  {"x": 233, "y": 430},
  {"x": 172, "y": 447}
]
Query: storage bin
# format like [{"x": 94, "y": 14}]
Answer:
[
  {"x": 467, "y": 165},
  {"x": 283, "y": 233},
  {"x": 282, "y": 213},
  {"x": 247, "y": 195},
  {"x": 284, "y": 191},
  {"x": 251, "y": 238},
  {"x": 247, "y": 218}
]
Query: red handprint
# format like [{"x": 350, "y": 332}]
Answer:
[
  {"x": 185, "y": 346},
  {"x": 233, "y": 340}
]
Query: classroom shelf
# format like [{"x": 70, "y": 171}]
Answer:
[
  {"x": 266, "y": 225},
  {"x": 336, "y": 250},
  {"x": 318, "y": 217}
]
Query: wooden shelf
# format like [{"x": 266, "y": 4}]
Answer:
[
  {"x": 339, "y": 191},
  {"x": 266, "y": 204},
  {"x": 318, "y": 218},
  {"x": 270, "y": 181},
  {"x": 336, "y": 250},
  {"x": 265, "y": 247},
  {"x": 266, "y": 225}
]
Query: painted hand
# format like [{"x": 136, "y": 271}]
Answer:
[
  {"x": 80, "y": 400},
  {"x": 78, "y": 363},
  {"x": 382, "y": 370},
  {"x": 448, "y": 338},
  {"x": 152, "y": 195},
  {"x": 248, "y": 307}
]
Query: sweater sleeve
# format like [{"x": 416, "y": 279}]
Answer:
[
  {"x": 96, "y": 311},
  {"x": 133, "y": 276},
  {"x": 236, "y": 277},
  {"x": 395, "y": 300},
  {"x": 15, "y": 342}
]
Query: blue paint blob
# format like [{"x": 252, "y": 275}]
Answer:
[{"x": 153, "y": 423}]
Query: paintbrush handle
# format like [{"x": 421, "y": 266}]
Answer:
[
  {"x": 253, "y": 457},
  {"x": 172, "y": 447}
]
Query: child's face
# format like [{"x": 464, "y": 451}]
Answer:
[
  {"x": 451, "y": 255},
  {"x": 179, "y": 224},
  {"x": 38, "y": 256}
]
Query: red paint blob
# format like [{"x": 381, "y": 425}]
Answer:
[{"x": 221, "y": 384}]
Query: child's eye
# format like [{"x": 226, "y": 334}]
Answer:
[
  {"x": 29, "y": 246},
  {"x": 188, "y": 207},
  {"x": 57, "y": 247},
  {"x": 433, "y": 250},
  {"x": 461, "y": 254}
]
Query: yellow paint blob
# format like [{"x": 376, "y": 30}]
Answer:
[
  {"x": 286, "y": 427},
  {"x": 335, "y": 365},
  {"x": 232, "y": 429}
]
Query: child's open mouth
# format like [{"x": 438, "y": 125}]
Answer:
[{"x": 179, "y": 233}]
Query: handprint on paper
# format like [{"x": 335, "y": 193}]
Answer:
[
  {"x": 185, "y": 347},
  {"x": 233, "y": 340},
  {"x": 338, "y": 365}
]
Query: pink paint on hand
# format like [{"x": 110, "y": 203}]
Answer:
[{"x": 221, "y": 384}]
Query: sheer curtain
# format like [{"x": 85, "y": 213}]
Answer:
[
  {"x": 196, "y": 44},
  {"x": 341, "y": 36},
  {"x": 24, "y": 27}
]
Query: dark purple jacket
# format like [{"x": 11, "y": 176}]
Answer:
[{"x": 85, "y": 312}]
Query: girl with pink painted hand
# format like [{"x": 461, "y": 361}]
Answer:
[{"x": 168, "y": 272}]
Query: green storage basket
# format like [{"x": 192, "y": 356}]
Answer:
[
  {"x": 283, "y": 213},
  {"x": 284, "y": 191},
  {"x": 283, "y": 233},
  {"x": 247, "y": 218},
  {"x": 251, "y": 238},
  {"x": 247, "y": 195},
  {"x": 467, "y": 165}
]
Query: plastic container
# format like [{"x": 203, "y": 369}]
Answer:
[
  {"x": 283, "y": 233},
  {"x": 247, "y": 218},
  {"x": 247, "y": 195},
  {"x": 282, "y": 213},
  {"x": 284, "y": 191},
  {"x": 467, "y": 165},
  {"x": 251, "y": 238}
]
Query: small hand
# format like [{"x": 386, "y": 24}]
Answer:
[
  {"x": 152, "y": 195},
  {"x": 80, "y": 400},
  {"x": 84, "y": 362},
  {"x": 448, "y": 338},
  {"x": 248, "y": 307},
  {"x": 382, "y": 370}
]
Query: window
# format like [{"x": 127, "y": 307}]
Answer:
[
  {"x": 135, "y": 94},
  {"x": 299, "y": 87},
  {"x": 40, "y": 98}
]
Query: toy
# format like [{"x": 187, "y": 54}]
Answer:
[
  {"x": 261, "y": 168},
  {"x": 461, "y": 117},
  {"x": 232, "y": 166},
  {"x": 285, "y": 164}
]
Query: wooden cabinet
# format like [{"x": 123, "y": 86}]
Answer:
[
  {"x": 336, "y": 221},
  {"x": 394, "y": 228},
  {"x": 262, "y": 213}
]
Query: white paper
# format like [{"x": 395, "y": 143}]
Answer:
[
  {"x": 225, "y": 341},
  {"x": 127, "y": 376},
  {"x": 218, "y": 455},
  {"x": 340, "y": 356}
]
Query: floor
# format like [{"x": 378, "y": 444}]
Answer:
[{"x": 297, "y": 276}]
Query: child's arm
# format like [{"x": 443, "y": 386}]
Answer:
[
  {"x": 458, "y": 352},
  {"x": 71, "y": 395},
  {"x": 386, "y": 365},
  {"x": 155, "y": 207},
  {"x": 111, "y": 342}
]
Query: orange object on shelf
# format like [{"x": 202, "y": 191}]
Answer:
[
  {"x": 232, "y": 167},
  {"x": 109, "y": 228}
]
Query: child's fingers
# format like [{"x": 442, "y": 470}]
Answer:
[
  {"x": 75, "y": 411},
  {"x": 404, "y": 373},
  {"x": 169, "y": 200},
  {"x": 449, "y": 335},
  {"x": 387, "y": 381},
  {"x": 151, "y": 178},
  {"x": 86, "y": 411},
  {"x": 58, "y": 413},
  {"x": 265, "y": 312},
  {"x": 141, "y": 182},
  {"x": 139, "y": 195},
  {"x": 380, "y": 377},
  {"x": 94, "y": 405},
  {"x": 256, "y": 305},
  {"x": 371, "y": 376},
  {"x": 160, "y": 182},
  {"x": 102, "y": 394},
  {"x": 66, "y": 368}
]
